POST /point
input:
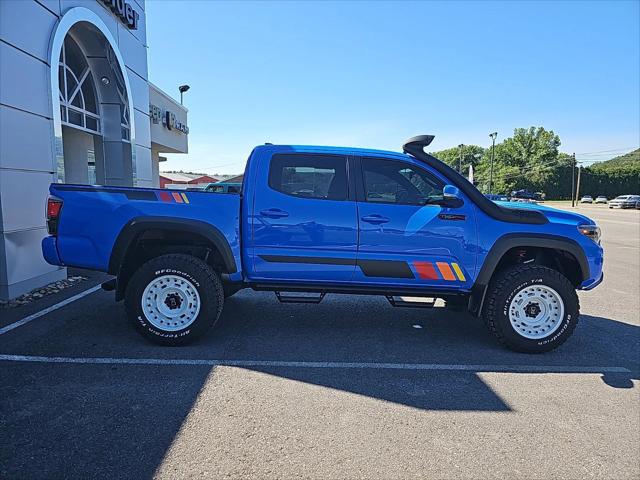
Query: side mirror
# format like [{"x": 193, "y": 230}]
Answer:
[{"x": 451, "y": 197}]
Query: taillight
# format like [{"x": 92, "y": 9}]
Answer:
[{"x": 54, "y": 206}]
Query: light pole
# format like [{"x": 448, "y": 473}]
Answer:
[
  {"x": 182, "y": 89},
  {"x": 573, "y": 179},
  {"x": 493, "y": 149},
  {"x": 460, "y": 161}
]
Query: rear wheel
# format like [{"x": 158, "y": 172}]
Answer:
[
  {"x": 531, "y": 308},
  {"x": 174, "y": 299}
]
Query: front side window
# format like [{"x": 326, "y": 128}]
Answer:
[
  {"x": 390, "y": 181},
  {"x": 309, "y": 176}
]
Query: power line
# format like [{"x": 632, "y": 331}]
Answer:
[{"x": 608, "y": 151}]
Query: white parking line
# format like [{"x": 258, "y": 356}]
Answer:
[
  {"x": 337, "y": 365},
  {"x": 50, "y": 309}
]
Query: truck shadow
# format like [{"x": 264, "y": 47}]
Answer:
[
  {"x": 368, "y": 331},
  {"x": 64, "y": 420}
]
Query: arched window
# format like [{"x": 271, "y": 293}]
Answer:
[{"x": 78, "y": 101}]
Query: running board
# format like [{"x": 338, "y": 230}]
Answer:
[
  {"x": 415, "y": 302},
  {"x": 288, "y": 297}
]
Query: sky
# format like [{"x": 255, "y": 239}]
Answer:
[{"x": 372, "y": 74}]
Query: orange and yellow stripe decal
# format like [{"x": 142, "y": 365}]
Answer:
[
  {"x": 458, "y": 270},
  {"x": 445, "y": 271},
  {"x": 173, "y": 197}
]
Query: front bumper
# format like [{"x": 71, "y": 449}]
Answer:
[
  {"x": 591, "y": 284},
  {"x": 622, "y": 205}
]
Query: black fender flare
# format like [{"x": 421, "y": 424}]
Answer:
[
  {"x": 138, "y": 225},
  {"x": 512, "y": 240}
]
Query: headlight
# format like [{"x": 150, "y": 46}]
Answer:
[{"x": 591, "y": 231}]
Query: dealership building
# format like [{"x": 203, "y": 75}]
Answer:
[{"x": 76, "y": 106}]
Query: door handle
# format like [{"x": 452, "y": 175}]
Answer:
[
  {"x": 274, "y": 213},
  {"x": 374, "y": 219}
]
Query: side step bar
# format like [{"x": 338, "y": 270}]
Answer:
[
  {"x": 288, "y": 297},
  {"x": 415, "y": 302}
]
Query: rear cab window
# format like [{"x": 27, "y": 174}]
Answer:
[{"x": 322, "y": 177}]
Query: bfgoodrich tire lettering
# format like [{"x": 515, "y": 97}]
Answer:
[
  {"x": 507, "y": 284},
  {"x": 198, "y": 274}
]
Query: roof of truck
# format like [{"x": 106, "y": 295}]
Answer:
[{"x": 333, "y": 149}]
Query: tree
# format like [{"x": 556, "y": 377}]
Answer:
[
  {"x": 525, "y": 160},
  {"x": 471, "y": 155}
]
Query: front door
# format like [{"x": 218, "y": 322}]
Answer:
[
  {"x": 304, "y": 219},
  {"x": 406, "y": 237}
]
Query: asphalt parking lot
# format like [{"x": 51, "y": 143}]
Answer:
[{"x": 349, "y": 388}]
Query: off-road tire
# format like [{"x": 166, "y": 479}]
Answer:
[
  {"x": 502, "y": 289},
  {"x": 204, "y": 279}
]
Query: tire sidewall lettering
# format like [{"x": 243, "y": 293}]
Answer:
[
  {"x": 566, "y": 321},
  {"x": 171, "y": 271}
]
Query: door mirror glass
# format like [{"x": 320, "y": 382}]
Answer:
[{"x": 451, "y": 197}]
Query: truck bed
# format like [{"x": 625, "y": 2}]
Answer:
[{"x": 93, "y": 217}]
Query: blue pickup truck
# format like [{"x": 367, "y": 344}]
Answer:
[{"x": 316, "y": 220}]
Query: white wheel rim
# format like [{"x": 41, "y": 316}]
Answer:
[
  {"x": 536, "y": 312},
  {"x": 170, "y": 303}
]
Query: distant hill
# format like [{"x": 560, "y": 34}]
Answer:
[{"x": 629, "y": 160}]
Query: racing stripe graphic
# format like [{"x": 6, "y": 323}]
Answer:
[
  {"x": 445, "y": 271},
  {"x": 173, "y": 197},
  {"x": 426, "y": 271},
  {"x": 458, "y": 271},
  {"x": 164, "y": 196},
  {"x": 382, "y": 268}
]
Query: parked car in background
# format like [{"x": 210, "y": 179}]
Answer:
[
  {"x": 224, "y": 187},
  {"x": 586, "y": 199},
  {"x": 526, "y": 195},
  {"x": 624, "y": 201},
  {"x": 601, "y": 199},
  {"x": 496, "y": 197}
]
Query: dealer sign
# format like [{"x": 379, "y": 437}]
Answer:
[
  {"x": 168, "y": 119},
  {"x": 124, "y": 11}
]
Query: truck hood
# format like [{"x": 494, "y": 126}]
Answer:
[{"x": 553, "y": 214}]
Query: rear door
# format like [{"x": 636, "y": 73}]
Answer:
[
  {"x": 406, "y": 238},
  {"x": 304, "y": 221}
]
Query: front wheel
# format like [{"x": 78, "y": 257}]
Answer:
[
  {"x": 174, "y": 299},
  {"x": 531, "y": 308}
]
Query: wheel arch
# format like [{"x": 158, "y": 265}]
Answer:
[
  {"x": 507, "y": 243},
  {"x": 202, "y": 233}
]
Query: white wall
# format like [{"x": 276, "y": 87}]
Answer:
[{"x": 26, "y": 127}]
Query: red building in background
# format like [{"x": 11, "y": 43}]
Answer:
[{"x": 184, "y": 179}]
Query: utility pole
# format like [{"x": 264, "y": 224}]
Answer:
[
  {"x": 493, "y": 149},
  {"x": 573, "y": 179},
  {"x": 460, "y": 161},
  {"x": 578, "y": 187}
]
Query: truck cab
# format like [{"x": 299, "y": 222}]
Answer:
[{"x": 315, "y": 220}]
